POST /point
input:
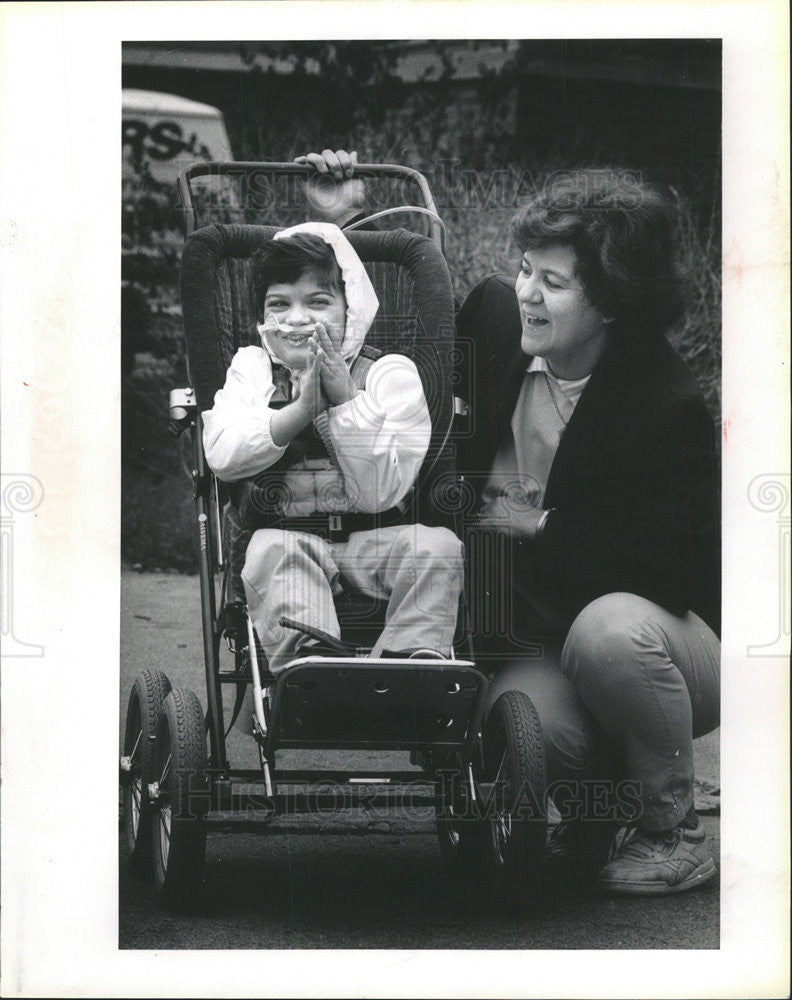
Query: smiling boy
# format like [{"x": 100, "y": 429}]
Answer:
[{"x": 327, "y": 427}]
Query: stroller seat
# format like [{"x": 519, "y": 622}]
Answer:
[{"x": 415, "y": 318}]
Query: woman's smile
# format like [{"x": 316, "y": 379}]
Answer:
[
  {"x": 559, "y": 322},
  {"x": 531, "y": 320}
]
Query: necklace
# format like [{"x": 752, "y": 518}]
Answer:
[{"x": 552, "y": 397}]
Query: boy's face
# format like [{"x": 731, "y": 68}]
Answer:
[{"x": 298, "y": 307}]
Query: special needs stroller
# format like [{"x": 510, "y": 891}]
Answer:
[{"x": 485, "y": 778}]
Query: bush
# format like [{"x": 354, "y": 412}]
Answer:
[{"x": 155, "y": 485}]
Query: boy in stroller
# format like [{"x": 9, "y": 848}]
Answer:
[{"x": 324, "y": 438}]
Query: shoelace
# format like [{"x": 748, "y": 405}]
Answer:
[{"x": 641, "y": 845}]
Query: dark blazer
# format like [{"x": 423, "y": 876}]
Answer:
[{"x": 635, "y": 480}]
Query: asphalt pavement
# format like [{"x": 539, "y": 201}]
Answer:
[{"x": 363, "y": 879}]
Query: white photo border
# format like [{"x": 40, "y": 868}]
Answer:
[{"x": 59, "y": 316}]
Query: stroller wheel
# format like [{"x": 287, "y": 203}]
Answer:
[
  {"x": 516, "y": 817},
  {"x": 180, "y": 797},
  {"x": 148, "y": 693}
]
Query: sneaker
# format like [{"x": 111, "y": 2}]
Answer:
[
  {"x": 413, "y": 653},
  {"x": 656, "y": 864},
  {"x": 427, "y": 654}
]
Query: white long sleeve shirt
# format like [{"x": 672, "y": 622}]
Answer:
[{"x": 379, "y": 437}]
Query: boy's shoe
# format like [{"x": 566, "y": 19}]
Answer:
[
  {"x": 413, "y": 653},
  {"x": 656, "y": 864}
]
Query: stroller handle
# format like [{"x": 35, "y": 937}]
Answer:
[{"x": 243, "y": 167}]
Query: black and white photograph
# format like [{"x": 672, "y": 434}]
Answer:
[
  {"x": 551, "y": 611},
  {"x": 417, "y": 478}
]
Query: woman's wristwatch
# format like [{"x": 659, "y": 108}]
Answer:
[{"x": 542, "y": 522}]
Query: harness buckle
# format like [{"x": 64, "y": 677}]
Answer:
[{"x": 334, "y": 524}]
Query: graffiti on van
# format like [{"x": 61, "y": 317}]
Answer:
[{"x": 162, "y": 141}]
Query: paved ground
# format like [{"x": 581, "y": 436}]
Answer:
[{"x": 359, "y": 881}]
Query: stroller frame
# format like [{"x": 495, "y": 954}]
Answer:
[{"x": 486, "y": 784}]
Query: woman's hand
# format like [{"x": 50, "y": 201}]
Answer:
[
  {"x": 518, "y": 521},
  {"x": 333, "y": 193},
  {"x": 340, "y": 165},
  {"x": 336, "y": 379}
]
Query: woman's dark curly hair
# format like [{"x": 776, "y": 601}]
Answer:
[
  {"x": 621, "y": 230},
  {"x": 283, "y": 262}
]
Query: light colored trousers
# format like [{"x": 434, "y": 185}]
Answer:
[
  {"x": 417, "y": 569},
  {"x": 622, "y": 697}
]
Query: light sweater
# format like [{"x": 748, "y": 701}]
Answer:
[{"x": 525, "y": 455}]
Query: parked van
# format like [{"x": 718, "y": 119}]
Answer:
[{"x": 167, "y": 132}]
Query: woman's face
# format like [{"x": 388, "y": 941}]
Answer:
[
  {"x": 298, "y": 307},
  {"x": 559, "y": 323}
]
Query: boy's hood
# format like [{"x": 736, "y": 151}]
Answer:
[{"x": 361, "y": 299}]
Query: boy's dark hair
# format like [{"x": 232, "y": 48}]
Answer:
[
  {"x": 621, "y": 231},
  {"x": 285, "y": 261}
]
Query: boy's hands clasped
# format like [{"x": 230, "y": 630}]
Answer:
[
  {"x": 311, "y": 401},
  {"x": 336, "y": 380},
  {"x": 326, "y": 379}
]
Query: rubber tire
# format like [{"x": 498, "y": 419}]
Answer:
[
  {"x": 516, "y": 815},
  {"x": 146, "y": 698},
  {"x": 178, "y": 836}
]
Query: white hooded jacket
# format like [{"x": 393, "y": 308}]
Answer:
[{"x": 379, "y": 437}]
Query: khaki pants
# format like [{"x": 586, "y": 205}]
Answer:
[
  {"x": 418, "y": 570},
  {"x": 620, "y": 700}
]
